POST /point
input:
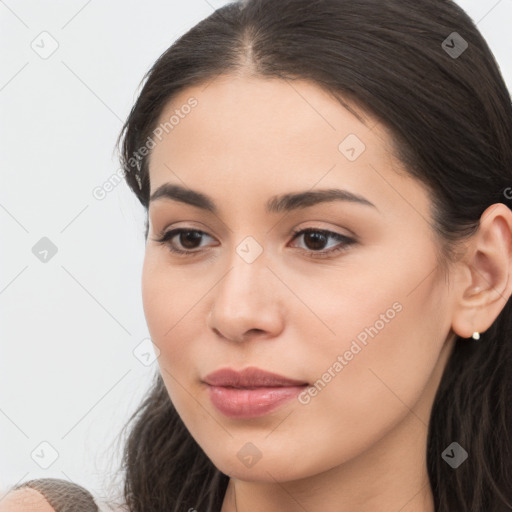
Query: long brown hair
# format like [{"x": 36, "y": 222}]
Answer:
[{"x": 443, "y": 98}]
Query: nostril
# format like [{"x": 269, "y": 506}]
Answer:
[{"x": 254, "y": 331}]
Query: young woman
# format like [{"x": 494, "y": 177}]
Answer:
[
  {"x": 327, "y": 274},
  {"x": 327, "y": 186}
]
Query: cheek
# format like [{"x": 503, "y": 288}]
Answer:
[
  {"x": 389, "y": 330},
  {"x": 175, "y": 318},
  {"x": 169, "y": 297}
]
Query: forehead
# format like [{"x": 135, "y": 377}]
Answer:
[
  {"x": 260, "y": 114},
  {"x": 253, "y": 134}
]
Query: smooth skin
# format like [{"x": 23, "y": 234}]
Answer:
[{"x": 360, "y": 443}]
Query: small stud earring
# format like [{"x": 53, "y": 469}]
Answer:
[{"x": 476, "y": 335}]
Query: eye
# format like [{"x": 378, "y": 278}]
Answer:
[
  {"x": 315, "y": 240},
  {"x": 188, "y": 238}
]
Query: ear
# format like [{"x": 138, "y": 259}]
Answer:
[{"x": 484, "y": 282}]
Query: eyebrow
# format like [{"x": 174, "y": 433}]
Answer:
[{"x": 276, "y": 204}]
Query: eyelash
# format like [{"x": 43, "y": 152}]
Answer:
[{"x": 166, "y": 238}]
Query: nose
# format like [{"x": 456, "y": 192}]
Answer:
[{"x": 246, "y": 303}]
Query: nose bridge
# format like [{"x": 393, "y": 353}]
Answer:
[
  {"x": 245, "y": 299},
  {"x": 247, "y": 264},
  {"x": 245, "y": 285}
]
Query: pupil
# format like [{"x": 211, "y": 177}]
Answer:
[
  {"x": 315, "y": 237},
  {"x": 187, "y": 240}
]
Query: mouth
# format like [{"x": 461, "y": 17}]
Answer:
[
  {"x": 257, "y": 387},
  {"x": 247, "y": 403},
  {"x": 249, "y": 378},
  {"x": 251, "y": 392}
]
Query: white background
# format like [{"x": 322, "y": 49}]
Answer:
[{"x": 68, "y": 375}]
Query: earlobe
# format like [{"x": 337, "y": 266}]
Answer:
[{"x": 487, "y": 283}]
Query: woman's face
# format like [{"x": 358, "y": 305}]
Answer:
[{"x": 357, "y": 307}]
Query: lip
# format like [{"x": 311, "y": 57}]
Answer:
[
  {"x": 249, "y": 377},
  {"x": 251, "y": 392}
]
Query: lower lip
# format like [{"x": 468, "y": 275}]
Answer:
[{"x": 251, "y": 403}]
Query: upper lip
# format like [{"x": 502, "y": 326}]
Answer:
[{"x": 249, "y": 377}]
